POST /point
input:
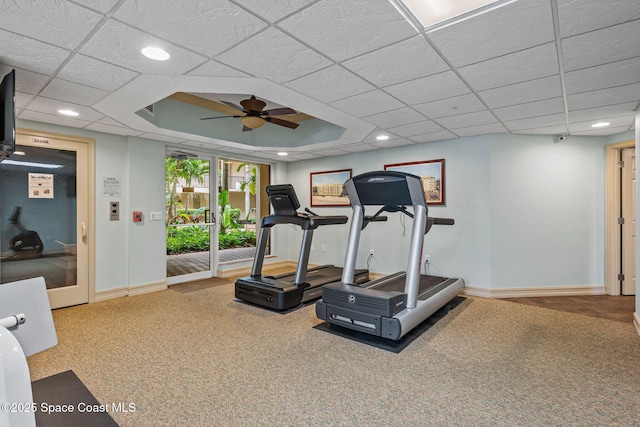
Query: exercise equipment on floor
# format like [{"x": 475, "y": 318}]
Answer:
[
  {"x": 27, "y": 243},
  {"x": 289, "y": 290},
  {"x": 391, "y": 306}
]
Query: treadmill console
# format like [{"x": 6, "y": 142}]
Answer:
[
  {"x": 387, "y": 188},
  {"x": 283, "y": 199}
]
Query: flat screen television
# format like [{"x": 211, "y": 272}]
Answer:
[{"x": 8, "y": 115}]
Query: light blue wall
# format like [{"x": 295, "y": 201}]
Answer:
[
  {"x": 529, "y": 212},
  {"x": 460, "y": 250},
  {"x": 127, "y": 254},
  {"x": 547, "y": 211}
]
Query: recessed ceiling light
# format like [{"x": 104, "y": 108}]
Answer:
[
  {"x": 155, "y": 53},
  {"x": 282, "y": 153},
  {"x": 382, "y": 137},
  {"x": 431, "y": 15},
  {"x": 68, "y": 113},
  {"x": 600, "y": 125}
]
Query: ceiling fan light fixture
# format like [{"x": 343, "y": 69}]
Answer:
[{"x": 252, "y": 122}]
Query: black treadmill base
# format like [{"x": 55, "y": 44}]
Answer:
[
  {"x": 390, "y": 345},
  {"x": 285, "y": 311}
]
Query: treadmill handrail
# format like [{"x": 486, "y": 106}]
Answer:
[{"x": 306, "y": 222}]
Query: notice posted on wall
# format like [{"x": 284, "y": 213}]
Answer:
[
  {"x": 40, "y": 186},
  {"x": 110, "y": 187}
]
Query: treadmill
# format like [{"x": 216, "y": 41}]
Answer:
[
  {"x": 391, "y": 306},
  {"x": 289, "y": 290}
]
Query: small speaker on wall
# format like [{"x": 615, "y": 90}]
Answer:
[{"x": 71, "y": 186}]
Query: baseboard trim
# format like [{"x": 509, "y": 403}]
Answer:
[
  {"x": 111, "y": 294},
  {"x": 636, "y": 322},
  {"x": 130, "y": 291},
  {"x": 547, "y": 291},
  {"x": 148, "y": 288}
]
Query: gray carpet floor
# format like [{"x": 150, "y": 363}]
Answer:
[{"x": 203, "y": 359}]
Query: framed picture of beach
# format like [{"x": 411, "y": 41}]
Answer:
[
  {"x": 327, "y": 188},
  {"x": 432, "y": 174}
]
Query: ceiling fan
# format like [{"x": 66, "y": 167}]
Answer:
[{"x": 253, "y": 115}]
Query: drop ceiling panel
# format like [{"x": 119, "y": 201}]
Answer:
[
  {"x": 535, "y": 122},
  {"x": 480, "y": 130},
  {"x": 603, "y": 76},
  {"x": 514, "y": 27},
  {"x": 406, "y": 60},
  {"x": 603, "y": 113},
  {"x": 51, "y": 106},
  {"x": 213, "y": 25},
  {"x": 357, "y": 64},
  {"x": 451, "y": 106},
  {"x": 59, "y": 23},
  {"x": 431, "y": 88},
  {"x": 29, "y": 54},
  {"x": 98, "y": 74},
  {"x": 435, "y": 136},
  {"x": 55, "y": 119},
  {"x": 420, "y": 128},
  {"x": 466, "y": 120},
  {"x": 330, "y": 84},
  {"x": 621, "y": 121},
  {"x": 598, "y": 47},
  {"x": 274, "y": 10},
  {"x": 534, "y": 63},
  {"x": 73, "y": 92},
  {"x": 120, "y": 44},
  {"x": 399, "y": 117},
  {"x": 356, "y": 27},
  {"x": 608, "y": 96},
  {"x": 530, "y": 109},
  {"x": 533, "y": 90},
  {"x": 581, "y": 16},
  {"x": 367, "y": 104},
  {"x": 98, "y": 5},
  {"x": 275, "y": 48},
  {"x": 26, "y": 81},
  {"x": 216, "y": 69}
]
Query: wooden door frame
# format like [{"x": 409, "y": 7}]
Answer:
[
  {"x": 91, "y": 234},
  {"x": 613, "y": 254}
]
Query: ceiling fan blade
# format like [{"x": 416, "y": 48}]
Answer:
[
  {"x": 280, "y": 122},
  {"x": 279, "y": 111},
  {"x": 296, "y": 118},
  {"x": 199, "y": 101},
  {"x": 253, "y": 104},
  {"x": 246, "y": 129},
  {"x": 231, "y": 104},
  {"x": 219, "y": 117}
]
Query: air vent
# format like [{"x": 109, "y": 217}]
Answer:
[
  {"x": 149, "y": 109},
  {"x": 183, "y": 155}
]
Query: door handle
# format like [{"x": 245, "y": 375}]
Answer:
[{"x": 83, "y": 227}]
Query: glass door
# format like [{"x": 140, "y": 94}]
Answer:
[
  {"x": 44, "y": 217},
  {"x": 190, "y": 218},
  {"x": 241, "y": 205}
]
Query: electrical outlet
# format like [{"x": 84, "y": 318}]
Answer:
[
  {"x": 427, "y": 258},
  {"x": 323, "y": 248},
  {"x": 371, "y": 252}
]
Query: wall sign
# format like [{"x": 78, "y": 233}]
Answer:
[{"x": 40, "y": 186}]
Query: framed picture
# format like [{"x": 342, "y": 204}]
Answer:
[
  {"x": 432, "y": 174},
  {"x": 327, "y": 188}
]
